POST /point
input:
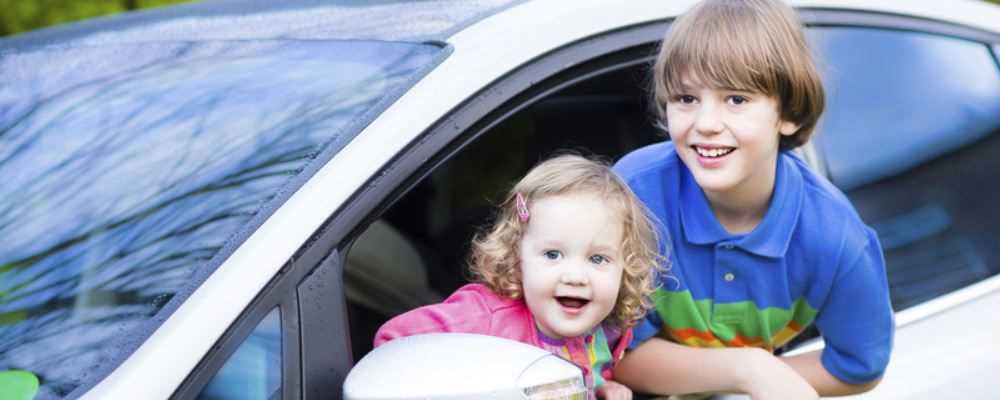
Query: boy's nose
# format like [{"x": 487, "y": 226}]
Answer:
[{"x": 708, "y": 121}]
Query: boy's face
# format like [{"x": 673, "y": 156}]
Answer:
[
  {"x": 727, "y": 138},
  {"x": 571, "y": 266}
]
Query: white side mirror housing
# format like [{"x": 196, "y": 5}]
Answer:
[{"x": 462, "y": 366}]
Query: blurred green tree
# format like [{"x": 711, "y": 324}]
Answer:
[{"x": 25, "y": 15}]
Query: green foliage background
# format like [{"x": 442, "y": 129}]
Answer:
[{"x": 23, "y": 15}]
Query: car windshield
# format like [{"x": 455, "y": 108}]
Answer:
[{"x": 130, "y": 172}]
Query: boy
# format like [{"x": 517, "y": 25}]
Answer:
[{"x": 761, "y": 247}]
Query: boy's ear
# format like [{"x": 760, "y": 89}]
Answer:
[{"x": 787, "y": 128}]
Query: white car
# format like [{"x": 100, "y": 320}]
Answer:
[{"x": 226, "y": 199}]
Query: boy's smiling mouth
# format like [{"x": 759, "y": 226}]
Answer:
[{"x": 712, "y": 152}]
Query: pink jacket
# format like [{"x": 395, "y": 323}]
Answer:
[{"x": 474, "y": 308}]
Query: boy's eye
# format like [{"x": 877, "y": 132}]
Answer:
[
  {"x": 552, "y": 254},
  {"x": 685, "y": 99},
  {"x": 738, "y": 100},
  {"x": 599, "y": 259}
]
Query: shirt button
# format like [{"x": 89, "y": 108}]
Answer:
[
  {"x": 728, "y": 246},
  {"x": 729, "y": 276}
]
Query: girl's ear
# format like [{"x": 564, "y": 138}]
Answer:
[{"x": 787, "y": 128}]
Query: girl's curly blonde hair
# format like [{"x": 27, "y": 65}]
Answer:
[{"x": 495, "y": 255}]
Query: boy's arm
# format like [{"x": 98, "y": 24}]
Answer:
[
  {"x": 857, "y": 325},
  {"x": 662, "y": 367},
  {"x": 810, "y": 366}
]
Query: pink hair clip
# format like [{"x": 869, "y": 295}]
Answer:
[{"x": 522, "y": 207}]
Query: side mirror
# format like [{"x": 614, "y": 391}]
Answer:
[{"x": 462, "y": 366}]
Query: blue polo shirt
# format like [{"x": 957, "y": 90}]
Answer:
[{"x": 810, "y": 260}]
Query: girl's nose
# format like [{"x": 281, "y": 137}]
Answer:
[{"x": 573, "y": 275}]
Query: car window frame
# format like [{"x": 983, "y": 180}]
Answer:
[
  {"x": 554, "y": 71},
  {"x": 277, "y": 295},
  {"x": 319, "y": 262}
]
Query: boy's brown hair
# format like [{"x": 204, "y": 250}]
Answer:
[
  {"x": 495, "y": 258},
  {"x": 748, "y": 45}
]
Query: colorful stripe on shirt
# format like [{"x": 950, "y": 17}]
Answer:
[
  {"x": 591, "y": 352},
  {"x": 702, "y": 323}
]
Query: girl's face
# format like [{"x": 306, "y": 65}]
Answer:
[{"x": 571, "y": 263}]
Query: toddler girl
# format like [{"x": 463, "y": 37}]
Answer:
[{"x": 567, "y": 266}]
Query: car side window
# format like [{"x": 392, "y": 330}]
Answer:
[
  {"x": 415, "y": 253},
  {"x": 911, "y": 135},
  {"x": 254, "y": 370}
]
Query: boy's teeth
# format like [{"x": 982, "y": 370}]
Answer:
[{"x": 712, "y": 152}]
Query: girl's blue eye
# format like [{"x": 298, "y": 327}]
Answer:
[
  {"x": 552, "y": 254},
  {"x": 599, "y": 259},
  {"x": 738, "y": 100}
]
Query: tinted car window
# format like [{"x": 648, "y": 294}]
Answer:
[
  {"x": 254, "y": 370},
  {"x": 898, "y": 99},
  {"x": 912, "y": 135},
  {"x": 130, "y": 170}
]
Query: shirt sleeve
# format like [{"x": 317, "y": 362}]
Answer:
[
  {"x": 464, "y": 312},
  {"x": 856, "y": 321},
  {"x": 645, "y": 328}
]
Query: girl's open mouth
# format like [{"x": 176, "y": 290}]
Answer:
[{"x": 572, "y": 303}]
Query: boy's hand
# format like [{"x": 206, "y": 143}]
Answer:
[
  {"x": 612, "y": 390},
  {"x": 768, "y": 378}
]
